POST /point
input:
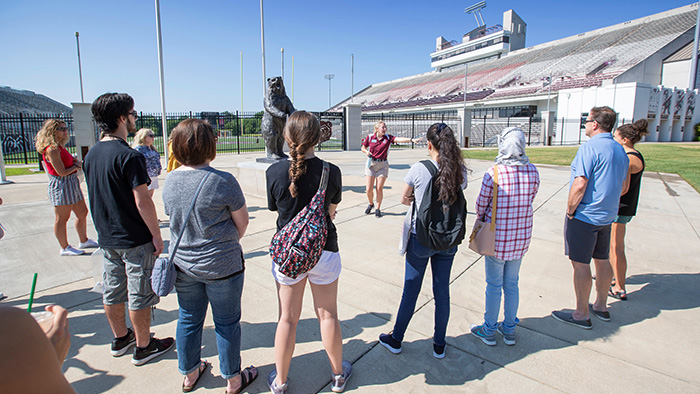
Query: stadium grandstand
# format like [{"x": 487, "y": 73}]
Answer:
[
  {"x": 13, "y": 101},
  {"x": 640, "y": 67}
]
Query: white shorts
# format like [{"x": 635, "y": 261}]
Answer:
[
  {"x": 154, "y": 183},
  {"x": 326, "y": 271}
]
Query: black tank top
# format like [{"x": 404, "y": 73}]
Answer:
[{"x": 628, "y": 201}]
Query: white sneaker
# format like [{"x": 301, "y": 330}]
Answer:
[
  {"x": 88, "y": 244},
  {"x": 71, "y": 251}
]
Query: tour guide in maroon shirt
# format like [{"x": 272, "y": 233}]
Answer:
[{"x": 376, "y": 147}]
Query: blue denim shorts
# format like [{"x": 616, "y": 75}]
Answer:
[{"x": 127, "y": 277}]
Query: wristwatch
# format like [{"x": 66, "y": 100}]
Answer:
[{"x": 570, "y": 215}]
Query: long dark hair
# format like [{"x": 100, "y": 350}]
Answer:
[
  {"x": 635, "y": 131},
  {"x": 302, "y": 132},
  {"x": 451, "y": 173}
]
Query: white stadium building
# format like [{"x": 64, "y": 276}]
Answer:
[{"x": 641, "y": 68}]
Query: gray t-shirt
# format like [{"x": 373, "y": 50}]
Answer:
[
  {"x": 209, "y": 248},
  {"x": 418, "y": 177}
]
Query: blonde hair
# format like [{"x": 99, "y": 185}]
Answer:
[
  {"x": 140, "y": 136},
  {"x": 376, "y": 125},
  {"x": 47, "y": 137}
]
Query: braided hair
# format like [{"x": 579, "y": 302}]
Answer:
[
  {"x": 451, "y": 173},
  {"x": 302, "y": 131}
]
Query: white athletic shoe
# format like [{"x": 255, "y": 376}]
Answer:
[
  {"x": 88, "y": 244},
  {"x": 71, "y": 251}
]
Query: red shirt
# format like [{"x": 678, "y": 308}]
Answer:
[
  {"x": 378, "y": 148},
  {"x": 517, "y": 188},
  {"x": 66, "y": 158}
]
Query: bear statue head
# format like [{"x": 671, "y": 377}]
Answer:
[{"x": 275, "y": 87}]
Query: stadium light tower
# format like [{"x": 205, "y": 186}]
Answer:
[
  {"x": 329, "y": 77},
  {"x": 476, "y": 11}
]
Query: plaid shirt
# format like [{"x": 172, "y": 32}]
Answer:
[{"x": 517, "y": 187}]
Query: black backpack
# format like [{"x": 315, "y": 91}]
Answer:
[{"x": 440, "y": 226}]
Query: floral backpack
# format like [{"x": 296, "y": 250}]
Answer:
[{"x": 297, "y": 247}]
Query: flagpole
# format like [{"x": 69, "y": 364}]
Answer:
[{"x": 162, "y": 82}]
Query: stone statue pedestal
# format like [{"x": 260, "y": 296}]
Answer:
[
  {"x": 267, "y": 160},
  {"x": 251, "y": 177}
]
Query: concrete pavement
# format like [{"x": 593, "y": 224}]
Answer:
[{"x": 647, "y": 347}]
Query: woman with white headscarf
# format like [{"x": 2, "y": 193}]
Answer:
[{"x": 517, "y": 182}]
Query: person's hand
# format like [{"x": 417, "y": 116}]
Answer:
[
  {"x": 159, "y": 245},
  {"x": 77, "y": 163},
  {"x": 407, "y": 200},
  {"x": 334, "y": 215},
  {"x": 58, "y": 333}
]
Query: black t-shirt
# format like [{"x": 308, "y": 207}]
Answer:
[
  {"x": 112, "y": 171},
  {"x": 279, "y": 199}
]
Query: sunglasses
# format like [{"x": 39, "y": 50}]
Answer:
[
  {"x": 589, "y": 121},
  {"x": 62, "y": 128},
  {"x": 134, "y": 114},
  {"x": 151, "y": 135}
]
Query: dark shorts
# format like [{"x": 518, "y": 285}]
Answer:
[{"x": 583, "y": 241}]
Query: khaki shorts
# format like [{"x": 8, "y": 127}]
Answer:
[
  {"x": 127, "y": 277},
  {"x": 377, "y": 169}
]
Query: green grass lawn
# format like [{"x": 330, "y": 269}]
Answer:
[
  {"x": 14, "y": 171},
  {"x": 681, "y": 159}
]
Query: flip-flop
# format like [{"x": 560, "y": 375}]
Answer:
[
  {"x": 187, "y": 389},
  {"x": 618, "y": 295},
  {"x": 246, "y": 379}
]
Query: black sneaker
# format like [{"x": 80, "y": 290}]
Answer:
[
  {"x": 568, "y": 318},
  {"x": 121, "y": 345},
  {"x": 390, "y": 343},
  {"x": 154, "y": 349},
  {"x": 438, "y": 351},
  {"x": 369, "y": 209},
  {"x": 378, "y": 213}
]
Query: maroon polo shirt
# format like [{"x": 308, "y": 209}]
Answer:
[{"x": 378, "y": 148}]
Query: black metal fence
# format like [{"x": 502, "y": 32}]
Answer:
[
  {"x": 411, "y": 125},
  {"x": 238, "y": 131},
  {"x": 18, "y": 135},
  {"x": 485, "y": 131}
]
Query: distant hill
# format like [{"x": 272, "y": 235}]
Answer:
[{"x": 14, "y": 101}]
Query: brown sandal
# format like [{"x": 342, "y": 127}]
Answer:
[
  {"x": 187, "y": 389},
  {"x": 246, "y": 378}
]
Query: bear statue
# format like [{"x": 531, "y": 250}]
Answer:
[{"x": 277, "y": 108}]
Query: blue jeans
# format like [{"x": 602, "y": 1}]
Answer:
[
  {"x": 193, "y": 296},
  {"x": 501, "y": 274},
  {"x": 417, "y": 257}
]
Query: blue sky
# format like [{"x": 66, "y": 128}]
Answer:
[{"x": 202, "y": 42}]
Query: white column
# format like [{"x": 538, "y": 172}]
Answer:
[
  {"x": 547, "y": 127},
  {"x": 465, "y": 116},
  {"x": 84, "y": 128},
  {"x": 353, "y": 126}
]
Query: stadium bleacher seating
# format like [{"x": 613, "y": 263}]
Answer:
[{"x": 584, "y": 60}]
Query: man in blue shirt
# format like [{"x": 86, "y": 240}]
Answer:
[{"x": 598, "y": 177}]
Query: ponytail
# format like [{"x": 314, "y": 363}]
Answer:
[{"x": 450, "y": 160}]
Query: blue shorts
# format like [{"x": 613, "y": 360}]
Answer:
[
  {"x": 584, "y": 241},
  {"x": 621, "y": 219}
]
